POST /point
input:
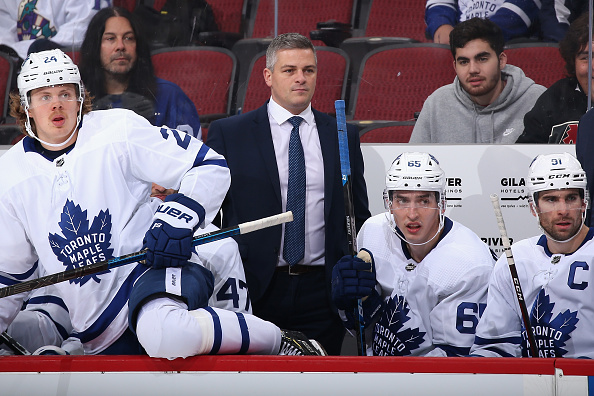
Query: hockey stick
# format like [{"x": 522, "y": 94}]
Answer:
[
  {"x": 13, "y": 344},
  {"x": 115, "y": 262},
  {"x": 345, "y": 170},
  {"x": 514, "y": 274}
]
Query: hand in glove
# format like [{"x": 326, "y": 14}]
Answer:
[{"x": 169, "y": 239}]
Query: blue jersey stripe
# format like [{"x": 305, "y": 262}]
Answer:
[
  {"x": 16, "y": 278},
  {"x": 47, "y": 300},
  {"x": 506, "y": 340},
  {"x": 245, "y": 333},
  {"x": 113, "y": 309},
  {"x": 453, "y": 351},
  {"x": 59, "y": 327},
  {"x": 201, "y": 155},
  {"x": 218, "y": 332}
]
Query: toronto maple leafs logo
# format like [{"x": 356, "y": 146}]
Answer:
[
  {"x": 550, "y": 335},
  {"x": 390, "y": 338},
  {"x": 82, "y": 245}
]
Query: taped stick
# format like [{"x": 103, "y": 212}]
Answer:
[
  {"x": 13, "y": 344},
  {"x": 514, "y": 274},
  {"x": 115, "y": 262}
]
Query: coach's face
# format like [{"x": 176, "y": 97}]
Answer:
[
  {"x": 118, "y": 46},
  {"x": 293, "y": 79},
  {"x": 560, "y": 212}
]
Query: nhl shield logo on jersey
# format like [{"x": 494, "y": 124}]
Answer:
[
  {"x": 550, "y": 334},
  {"x": 390, "y": 337},
  {"x": 80, "y": 244}
]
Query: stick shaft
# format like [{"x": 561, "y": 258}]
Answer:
[
  {"x": 13, "y": 344},
  {"x": 115, "y": 262},
  {"x": 345, "y": 170},
  {"x": 514, "y": 274}
]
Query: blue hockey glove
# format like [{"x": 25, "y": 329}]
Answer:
[
  {"x": 352, "y": 278},
  {"x": 169, "y": 239}
]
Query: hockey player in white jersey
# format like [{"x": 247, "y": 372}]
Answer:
[
  {"x": 76, "y": 191},
  {"x": 428, "y": 282},
  {"x": 553, "y": 269}
]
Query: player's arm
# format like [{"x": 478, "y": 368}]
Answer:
[
  {"x": 498, "y": 333},
  {"x": 454, "y": 318},
  {"x": 18, "y": 261},
  {"x": 440, "y": 13},
  {"x": 515, "y": 17},
  {"x": 230, "y": 287}
]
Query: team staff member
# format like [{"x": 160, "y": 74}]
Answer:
[
  {"x": 290, "y": 292},
  {"x": 429, "y": 275}
]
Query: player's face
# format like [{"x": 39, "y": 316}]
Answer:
[
  {"x": 293, "y": 80},
  {"x": 416, "y": 214},
  {"x": 161, "y": 192},
  {"x": 581, "y": 69},
  {"x": 118, "y": 46},
  {"x": 560, "y": 212},
  {"x": 479, "y": 70},
  {"x": 54, "y": 110}
]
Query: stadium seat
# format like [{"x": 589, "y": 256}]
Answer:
[
  {"x": 7, "y": 70},
  {"x": 127, "y": 4},
  {"x": 297, "y": 16},
  {"x": 387, "y": 18},
  {"x": 542, "y": 62},
  {"x": 206, "y": 74},
  {"x": 394, "y": 81},
  {"x": 333, "y": 66},
  {"x": 387, "y": 132}
]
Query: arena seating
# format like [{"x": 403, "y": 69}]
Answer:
[{"x": 206, "y": 74}]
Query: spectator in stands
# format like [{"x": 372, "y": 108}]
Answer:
[
  {"x": 487, "y": 101},
  {"x": 32, "y": 26},
  {"x": 289, "y": 281},
  {"x": 555, "y": 115},
  {"x": 116, "y": 68},
  {"x": 516, "y": 18},
  {"x": 556, "y": 16}
]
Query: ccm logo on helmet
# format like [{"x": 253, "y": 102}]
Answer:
[{"x": 561, "y": 176}]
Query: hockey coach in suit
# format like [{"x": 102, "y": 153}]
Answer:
[{"x": 291, "y": 289}]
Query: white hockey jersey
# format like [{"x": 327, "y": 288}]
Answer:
[
  {"x": 558, "y": 297},
  {"x": 432, "y": 307},
  {"x": 93, "y": 204}
]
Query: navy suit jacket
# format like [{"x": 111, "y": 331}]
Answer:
[{"x": 246, "y": 142}]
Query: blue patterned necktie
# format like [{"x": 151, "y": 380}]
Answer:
[{"x": 294, "y": 244}]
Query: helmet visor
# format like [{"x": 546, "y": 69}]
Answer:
[{"x": 45, "y": 96}]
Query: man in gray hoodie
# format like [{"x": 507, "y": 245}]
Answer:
[{"x": 487, "y": 101}]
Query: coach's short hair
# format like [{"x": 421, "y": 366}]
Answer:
[
  {"x": 287, "y": 41},
  {"x": 476, "y": 28}
]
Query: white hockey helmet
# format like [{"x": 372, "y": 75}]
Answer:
[
  {"x": 45, "y": 69},
  {"x": 555, "y": 172},
  {"x": 417, "y": 172}
]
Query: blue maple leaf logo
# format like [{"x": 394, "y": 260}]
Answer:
[
  {"x": 80, "y": 244},
  {"x": 390, "y": 338},
  {"x": 550, "y": 335}
]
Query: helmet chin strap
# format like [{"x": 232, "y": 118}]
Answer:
[{"x": 64, "y": 143}]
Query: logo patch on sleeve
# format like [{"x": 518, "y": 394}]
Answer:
[{"x": 80, "y": 244}]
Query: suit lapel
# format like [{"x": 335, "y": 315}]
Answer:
[
  {"x": 328, "y": 143},
  {"x": 263, "y": 139}
]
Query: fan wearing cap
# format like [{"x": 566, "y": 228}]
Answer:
[
  {"x": 553, "y": 270},
  {"x": 427, "y": 283}
]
